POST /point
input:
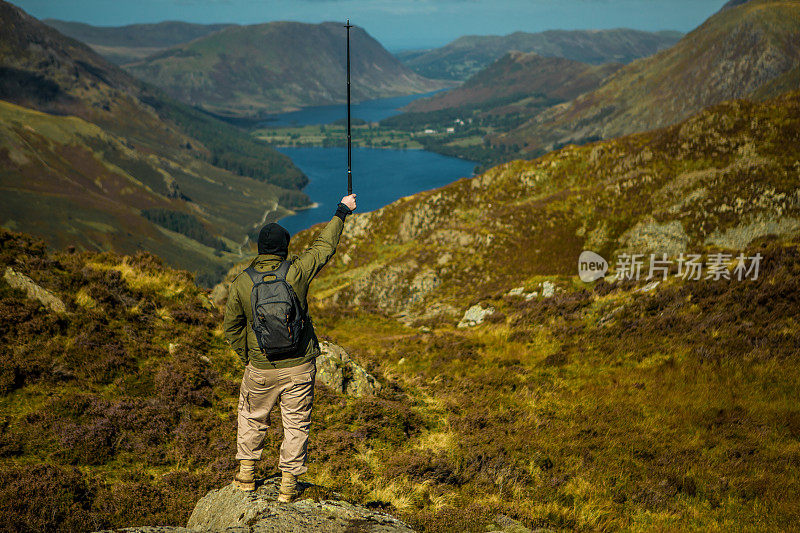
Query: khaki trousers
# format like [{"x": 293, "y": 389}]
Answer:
[{"x": 261, "y": 389}]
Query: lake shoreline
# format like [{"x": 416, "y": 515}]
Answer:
[{"x": 380, "y": 177}]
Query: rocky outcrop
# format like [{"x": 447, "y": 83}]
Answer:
[
  {"x": 337, "y": 371},
  {"x": 229, "y": 509},
  {"x": 34, "y": 291},
  {"x": 232, "y": 511},
  {"x": 475, "y": 315},
  {"x": 219, "y": 294}
]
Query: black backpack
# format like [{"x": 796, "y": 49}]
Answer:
[{"x": 278, "y": 318}]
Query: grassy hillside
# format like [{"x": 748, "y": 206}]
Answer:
[
  {"x": 520, "y": 75},
  {"x": 248, "y": 71},
  {"x": 603, "y": 406},
  {"x": 743, "y": 50},
  {"x": 467, "y": 55},
  {"x": 124, "y": 44},
  {"x": 90, "y": 146}
]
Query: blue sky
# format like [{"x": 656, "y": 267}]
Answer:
[{"x": 397, "y": 24}]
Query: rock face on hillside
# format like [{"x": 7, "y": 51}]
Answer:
[
  {"x": 338, "y": 372},
  {"x": 33, "y": 291},
  {"x": 229, "y": 509}
]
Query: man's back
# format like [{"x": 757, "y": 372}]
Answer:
[{"x": 238, "y": 312}]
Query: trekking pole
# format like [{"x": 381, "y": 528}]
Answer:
[{"x": 349, "y": 149}]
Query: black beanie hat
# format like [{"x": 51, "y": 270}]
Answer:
[{"x": 273, "y": 240}]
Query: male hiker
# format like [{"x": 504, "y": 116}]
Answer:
[{"x": 279, "y": 348}]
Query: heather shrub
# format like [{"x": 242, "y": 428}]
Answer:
[
  {"x": 185, "y": 380},
  {"x": 45, "y": 498}
]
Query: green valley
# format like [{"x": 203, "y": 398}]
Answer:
[
  {"x": 87, "y": 150},
  {"x": 535, "y": 104}
]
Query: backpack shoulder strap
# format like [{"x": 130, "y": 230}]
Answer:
[
  {"x": 282, "y": 270},
  {"x": 279, "y": 273},
  {"x": 254, "y": 274}
]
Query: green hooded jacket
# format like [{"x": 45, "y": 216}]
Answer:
[{"x": 238, "y": 312}]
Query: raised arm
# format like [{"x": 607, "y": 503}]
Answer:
[{"x": 322, "y": 249}]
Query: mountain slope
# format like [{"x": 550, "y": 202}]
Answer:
[
  {"x": 518, "y": 76},
  {"x": 124, "y": 44},
  {"x": 259, "y": 69},
  {"x": 722, "y": 178},
  {"x": 93, "y": 152},
  {"x": 735, "y": 53},
  {"x": 467, "y": 55}
]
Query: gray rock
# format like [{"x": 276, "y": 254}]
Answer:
[
  {"x": 339, "y": 372},
  {"x": 516, "y": 291},
  {"x": 505, "y": 524},
  {"x": 229, "y": 509},
  {"x": 474, "y": 316},
  {"x": 649, "y": 287},
  {"x": 149, "y": 529},
  {"x": 548, "y": 289},
  {"x": 34, "y": 291},
  {"x": 219, "y": 294},
  {"x": 520, "y": 291}
]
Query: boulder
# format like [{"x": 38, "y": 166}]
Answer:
[
  {"x": 229, "y": 509},
  {"x": 520, "y": 291},
  {"x": 35, "y": 292},
  {"x": 232, "y": 511},
  {"x": 337, "y": 371},
  {"x": 548, "y": 289},
  {"x": 219, "y": 294},
  {"x": 474, "y": 316}
]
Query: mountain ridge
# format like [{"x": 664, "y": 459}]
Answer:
[
  {"x": 733, "y": 54},
  {"x": 249, "y": 71},
  {"x": 124, "y": 44},
  {"x": 521, "y": 75},
  {"x": 467, "y": 55}
]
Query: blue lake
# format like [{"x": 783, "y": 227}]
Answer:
[
  {"x": 380, "y": 176},
  {"x": 371, "y": 111}
]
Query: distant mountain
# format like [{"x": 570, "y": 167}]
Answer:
[
  {"x": 467, "y": 55},
  {"x": 247, "y": 71},
  {"x": 516, "y": 77},
  {"x": 94, "y": 158},
  {"x": 124, "y": 44},
  {"x": 748, "y": 50},
  {"x": 733, "y": 3}
]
